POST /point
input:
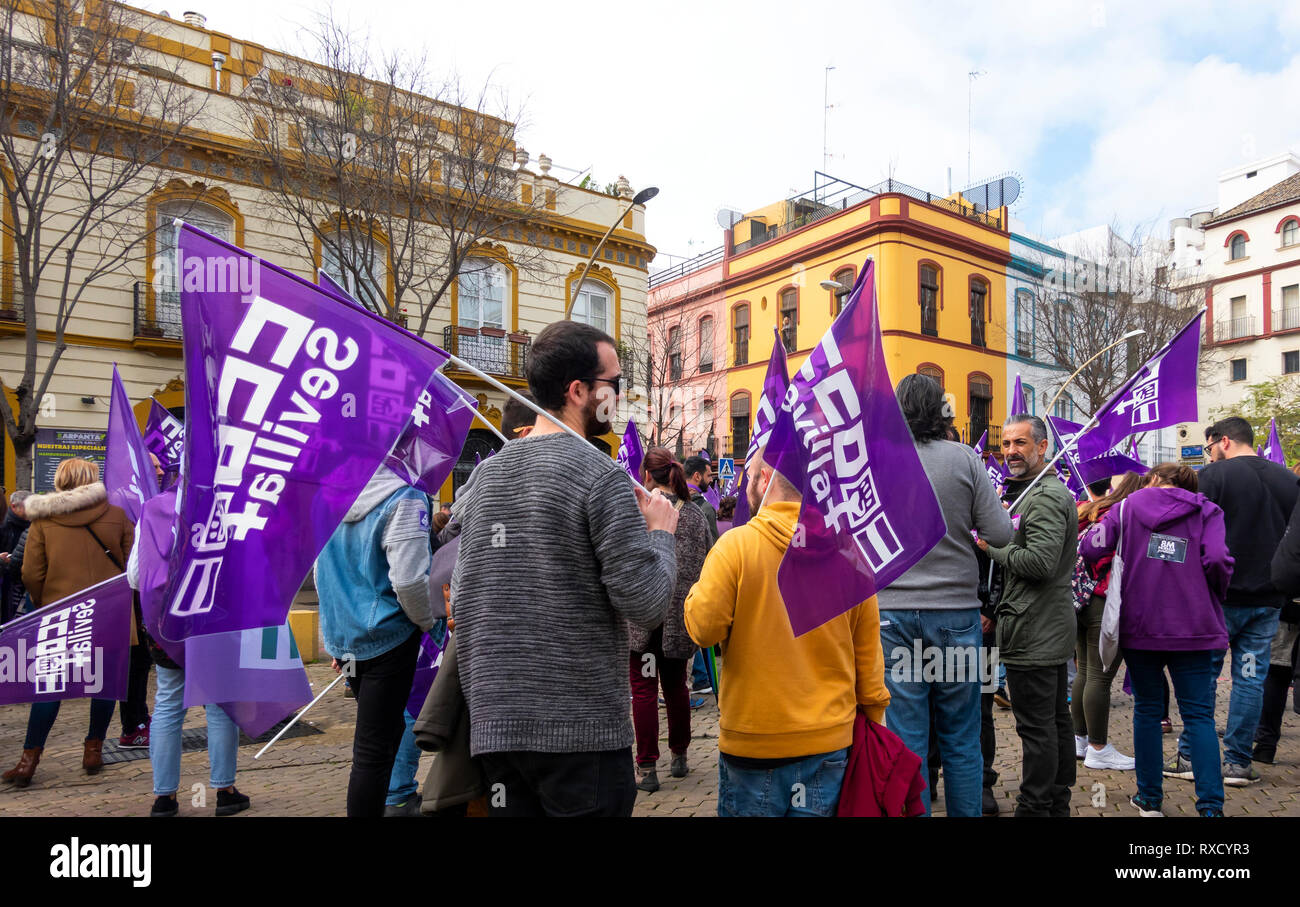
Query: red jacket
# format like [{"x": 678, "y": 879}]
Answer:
[{"x": 883, "y": 777}]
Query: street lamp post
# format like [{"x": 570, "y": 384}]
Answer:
[{"x": 641, "y": 198}]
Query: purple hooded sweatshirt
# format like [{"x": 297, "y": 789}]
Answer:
[{"x": 1176, "y": 569}]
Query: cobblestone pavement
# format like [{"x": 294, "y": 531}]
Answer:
[{"x": 307, "y": 776}]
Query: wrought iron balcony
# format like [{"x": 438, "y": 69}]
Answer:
[
  {"x": 1286, "y": 319},
  {"x": 491, "y": 350},
  {"x": 160, "y": 320},
  {"x": 1235, "y": 328}
]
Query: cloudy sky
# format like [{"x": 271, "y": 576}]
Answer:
[{"x": 1108, "y": 112}]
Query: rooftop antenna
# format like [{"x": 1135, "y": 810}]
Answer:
[
  {"x": 970, "y": 96},
  {"x": 826, "y": 109}
]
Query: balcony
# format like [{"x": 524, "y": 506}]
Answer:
[
  {"x": 975, "y": 429},
  {"x": 491, "y": 350},
  {"x": 1286, "y": 319},
  {"x": 742, "y": 352},
  {"x": 1230, "y": 329},
  {"x": 157, "y": 322}
]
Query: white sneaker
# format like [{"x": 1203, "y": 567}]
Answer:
[
  {"x": 1108, "y": 758},
  {"x": 1080, "y": 746}
]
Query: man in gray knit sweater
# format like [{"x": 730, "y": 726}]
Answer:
[{"x": 557, "y": 549}]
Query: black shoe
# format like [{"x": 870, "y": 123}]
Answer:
[
  {"x": 990, "y": 803},
  {"x": 649, "y": 780},
  {"x": 164, "y": 808},
  {"x": 230, "y": 803},
  {"x": 1264, "y": 753},
  {"x": 934, "y": 781}
]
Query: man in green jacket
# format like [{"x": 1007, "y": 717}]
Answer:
[{"x": 1035, "y": 618}]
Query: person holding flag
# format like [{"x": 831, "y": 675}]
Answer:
[
  {"x": 76, "y": 539},
  {"x": 1035, "y": 616},
  {"x": 699, "y": 475}
]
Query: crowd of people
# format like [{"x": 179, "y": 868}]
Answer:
[{"x": 569, "y": 598}]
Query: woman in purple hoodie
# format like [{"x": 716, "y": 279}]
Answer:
[{"x": 1176, "y": 569}]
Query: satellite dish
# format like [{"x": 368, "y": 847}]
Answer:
[
  {"x": 1002, "y": 190},
  {"x": 729, "y": 217}
]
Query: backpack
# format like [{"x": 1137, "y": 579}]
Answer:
[{"x": 1083, "y": 584}]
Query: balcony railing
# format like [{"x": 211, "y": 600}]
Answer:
[
  {"x": 1286, "y": 319},
  {"x": 164, "y": 321},
  {"x": 975, "y": 429},
  {"x": 1235, "y": 328},
  {"x": 491, "y": 350}
]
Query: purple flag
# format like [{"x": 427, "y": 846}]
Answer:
[
  {"x": 984, "y": 439},
  {"x": 77, "y": 647},
  {"x": 1133, "y": 450},
  {"x": 775, "y": 383},
  {"x": 713, "y": 497},
  {"x": 997, "y": 473},
  {"x": 427, "y": 451},
  {"x": 1259, "y": 450},
  {"x": 630, "y": 453},
  {"x": 128, "y": 472},
  {"x": 1161, "y": 393},
  {"x": 426, "y": 669},
  {"x": 868, "y": 511},
  {"x": 164, "y": 436},
  {"x": 291, "y": 406},
  {"x": 1273, "y": 449},
  {"x": 1108, "y": 465},
  {"x": 1018, "y": 404},
  {"x": 255, "y": 675}
]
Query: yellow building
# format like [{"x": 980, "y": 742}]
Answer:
[
  {"x": 217, "y": 175},
  {"x": 941, "y": 282}
]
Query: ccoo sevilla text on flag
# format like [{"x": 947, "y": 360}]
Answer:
[{"x": 868, "y": 511}]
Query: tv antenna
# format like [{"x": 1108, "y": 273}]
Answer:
[
  {"x": 826, "y": 110},
  {"x": 970, "y": 97}
]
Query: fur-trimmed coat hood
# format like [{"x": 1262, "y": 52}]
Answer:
[{"x": 55, "y": 504}]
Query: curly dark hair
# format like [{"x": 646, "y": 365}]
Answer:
[{"x": 921, "y": 398}]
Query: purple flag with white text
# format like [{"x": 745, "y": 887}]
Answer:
[
  {"x": 128, "y": 472},
  {"x": 630, "y": 452},
  {"x": 164, "y": 436},
  {"x": 997, "y": 473},
  {"x": 775, "y": 383},
  {"x": 1161, "y": 393},
  {"x": 292, "y": 403},
  {"x": 868, "y": 511},
  {"x": 427, "y": 663},
  {"x": 255, "y": 675},
  {"x": 77, "y": 647},
  {"x": 984, "y": 439}
]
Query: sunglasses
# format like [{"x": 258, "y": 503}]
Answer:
[{"x": 616, "y": 382}]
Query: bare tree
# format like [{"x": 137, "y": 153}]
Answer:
[
  {"x": 395, "y": 177},
  {"x": 87, "y": 112},
  {"x": 678, "y": 387},
  {"x": 1088, "y": 299}
]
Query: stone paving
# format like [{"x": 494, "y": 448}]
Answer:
[{"x": 307, "y": 776}]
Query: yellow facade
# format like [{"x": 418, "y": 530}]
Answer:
[{"x": 900, "y": 234}]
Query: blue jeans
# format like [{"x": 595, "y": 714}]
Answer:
[
  {"x": 165, "y": 737},
  {"x": 1250, "y": 637},
  {"x": 699, "y": 674},
  {"x": 809, "y": 787},
  {"x": 955, "y": 700},
  {"x": 1193, "y": 674},
  {"x": 401, "y": 783}
]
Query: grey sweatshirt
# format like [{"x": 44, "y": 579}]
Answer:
[
  {"x": 948, "y": 577},
  {"x": 554, "y": 558}
]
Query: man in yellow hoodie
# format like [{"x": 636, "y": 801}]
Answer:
[{"x": 787, "y": 704}]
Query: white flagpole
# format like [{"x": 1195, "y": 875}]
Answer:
[
  {"x": 299, "y": 715},
  {"x": 490, "y": 427},
  {"x": 483, "y": 376}
]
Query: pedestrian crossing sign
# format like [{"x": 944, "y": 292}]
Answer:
[{"x": 726, "y": 469}]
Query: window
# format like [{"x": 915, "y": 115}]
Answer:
[
  {"x": 1024, "y": 323},
  {"x": 1239, "y": 321},
  {"x": 1289, "y": 317},
  {"x": 1237, "y": 248},
  {"x": 1291, "y": 362},
  {"x": 844, "y": 277},
  {"x": 978, "y": 293},
  {"x": 929, "y": 300},
  {"x": 706, "y": 344},
  {"x": 365, "y": 277},
  {"x": 1064, "y": 331},
  {"x": 931, "y": 371},
  {"x": 980, "y": 404},
  {"x": 1291, "y": 232},
  {"x": 790, "y": 319},
  {"x": 706, "y": 423},
  {"x": 675, "y": 354},
  {"x": 1029, "y": 398},
  {"x": 167, "y": 300},
  {"x": 1238, "y": 367},
  {"x": 593, "y": 305},
  {"x": 740, "y": 424},
  {"x": 1064, "y": 408},
  {"x": 740, "y": 331},
  {"x": 480, "y": 303}
]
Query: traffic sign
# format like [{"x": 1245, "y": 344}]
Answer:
[{"x": 726, "y": 468}]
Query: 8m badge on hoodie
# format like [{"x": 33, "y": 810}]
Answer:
[{"x": 1167, "y": 548}]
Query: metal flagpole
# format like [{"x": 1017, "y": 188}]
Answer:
[
  {"x": 483, "y": 376},
  {"x": 490, "y": 427},
  {"x": 299, "y": 715}
]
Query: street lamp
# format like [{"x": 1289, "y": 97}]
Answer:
[
  {"x": 641, "y": 198},
  {"x": 836, "y": 287}
]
